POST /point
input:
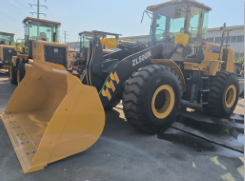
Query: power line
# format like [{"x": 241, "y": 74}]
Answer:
[
  {"x": 15, "y": 7},
  {"x": 23, "y": 5},
  {"x": 50, "y": 9},
  {"x": 8, "y": 16},
  {"x": 9, "y": 9}
]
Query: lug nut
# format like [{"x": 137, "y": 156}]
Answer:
[
  {"x": 10, "y": 121},
  {"x": 17, "y": 134},
  {"x": 27, "y": 153},
  {"x": 22, "y": 133},
  {"x": 21, "y": 142},
  {"x": 27, "y": 141},
  {"x": 33, "y": 151}
]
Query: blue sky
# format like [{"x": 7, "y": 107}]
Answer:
[{"x": 106, "y": 15}]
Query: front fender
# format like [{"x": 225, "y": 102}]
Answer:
[{"x": 171, "y": 64}]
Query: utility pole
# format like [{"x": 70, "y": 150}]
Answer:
[
  {"x": 65, "y": 34},
  {"x": 38, "y": 9}
]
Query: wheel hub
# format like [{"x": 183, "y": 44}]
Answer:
[
  {"x": 160, "y": 100},
  {"x": 230, "y": 96},
  {"x": 163, "y": 101}
]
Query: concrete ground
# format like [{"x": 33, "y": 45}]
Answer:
[{"x": 195, "y": 148}]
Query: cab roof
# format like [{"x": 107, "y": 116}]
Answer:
[
  {"x": 40, "y": 20},
  {"x": 6, "y": 33},
  {"x": 195, "y": 3}
]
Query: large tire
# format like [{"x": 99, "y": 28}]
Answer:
[
  {"x": 20, "y": 72},
  {"x": 141, "y": 102},
  {"x": 12, "y": 74},
  {"x": 223, "y": 95}
]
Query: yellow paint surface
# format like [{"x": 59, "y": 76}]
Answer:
[
  {"x": 241, "y": 170},
  {"x": 242, "y": 159},
  {"x": 194, "y": 165},
  {"x": 240, "y": 107},
  {"x": 216, "y": 162},
  {"x": 228, "y": 177}
]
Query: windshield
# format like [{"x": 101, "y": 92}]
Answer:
[
  {"x": 6, "y": 39},
  {"x": 84, "y": 40},
  {"x": 41, "y": 31},
  {"x": 167, "y": 22}
]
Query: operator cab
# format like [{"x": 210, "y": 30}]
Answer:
[
  {"x": 85, "y": 37},
  {"x": 6, "y": 38},
  {"x": 180, "y": 17},
  {"x": 38, "y": 29}
]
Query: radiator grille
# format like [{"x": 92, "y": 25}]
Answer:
[
  {"x": 55, "y": 55},
  {"x": 8, "y": 53}
]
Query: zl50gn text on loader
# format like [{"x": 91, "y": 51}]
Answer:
[{"x": 52, "y": 115}]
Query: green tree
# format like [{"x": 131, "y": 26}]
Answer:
[{"x": 241, "y": 59}]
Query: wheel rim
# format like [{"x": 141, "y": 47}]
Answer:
[
  {"x": 10, "y": 72},
  {"x": 18, "y": 76},
  {"x": 162, "y": 101},
  {"x": 230, "y": 96}
]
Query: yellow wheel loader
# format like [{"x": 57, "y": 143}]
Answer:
[
  {"x": 52, "y": 114},
  {"x": 7, "y": 49},
  {"x": 79, "y": 64},
  {"x": 40, "y": 44}
]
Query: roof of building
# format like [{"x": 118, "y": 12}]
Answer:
[
  {"x": 99, "y": 33},
  {"x": 41, "y": 20},
  {"x": 229, "y": 27},
  {"x": 198, "y": 4}
]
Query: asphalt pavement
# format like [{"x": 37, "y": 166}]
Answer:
[{"x": 195, "y": 148}]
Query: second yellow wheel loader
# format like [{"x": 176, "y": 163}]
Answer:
[
  {"x": 7, "y": 49},
  {"x": 40, "y": 44},
  {"x": 84, "y": 39},
  {"x": 52, "y": 115}
]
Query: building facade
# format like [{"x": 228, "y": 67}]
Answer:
[{"x": 235, "y": 41}]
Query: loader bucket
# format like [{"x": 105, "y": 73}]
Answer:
[{"x": 51, "y": 115}]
